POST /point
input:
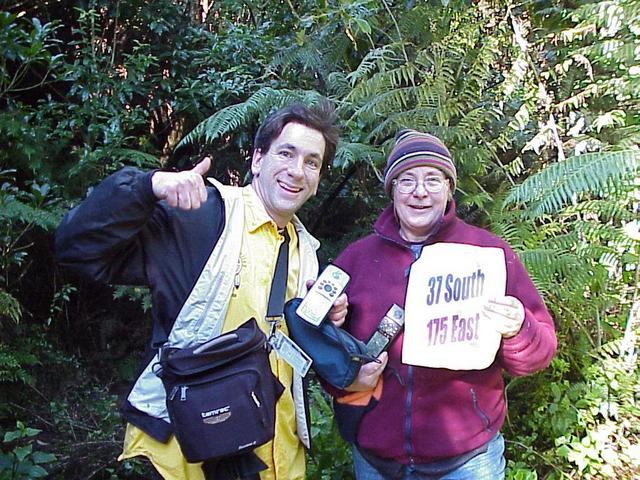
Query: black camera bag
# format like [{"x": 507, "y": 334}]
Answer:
[{"x": 221, "y": 395}]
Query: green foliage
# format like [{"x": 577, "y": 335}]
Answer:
[
  {"x": 140, "y": 295},
  {"x": 441, "y": 86},
  {"x": 353, "y": 153},
  {"x": 15, "y": 362},
  {"x": 537, "y": 101},
  {"x": 10, "y": 307},
  {"x": 558, "y": 185},
  {"x": 34, "y": 206},
  {"x": 28, "y": 62},
  {"x": 87, "y": 417},
  {"x": 567, "y": 222},
  {"x": 27, "y": 45},
  {"x": 606, "y": 436},
  {"x": 21, "y": 212},
  {"x": 253, "y": 110},
  {"x": 520, "y": 471},
  {"x": 330, "y": 458},
  {"x": 101, "y": 110},
  {"x": 22, "y": 461},
  {"x": 436, "y": 76}
]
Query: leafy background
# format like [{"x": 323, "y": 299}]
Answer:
[{"x": 538, "y": 101}]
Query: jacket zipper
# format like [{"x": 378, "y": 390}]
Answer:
[
  {"x": 415, "y": 253},
  {"x": 407, "y": 420}
]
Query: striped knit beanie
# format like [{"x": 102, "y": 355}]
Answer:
[{"x": 416, "y": 149}]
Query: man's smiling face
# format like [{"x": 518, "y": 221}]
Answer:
[{"x": 288, "y": 174}]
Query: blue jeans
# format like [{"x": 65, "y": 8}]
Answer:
[{"x": 489, "y": 465}]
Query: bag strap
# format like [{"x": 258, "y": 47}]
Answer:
[
  {"x": 279, "y": 282},
  {"x": 275, "y": 306}
]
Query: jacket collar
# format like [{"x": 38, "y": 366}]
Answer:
[{"x": 257, "y": 216}]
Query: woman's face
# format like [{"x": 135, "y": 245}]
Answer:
[{"x": 419, "y": 209}]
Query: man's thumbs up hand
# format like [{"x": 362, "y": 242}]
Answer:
[
  {"x": 183, "y": 190},
  {"x": 203, "y": 167}
]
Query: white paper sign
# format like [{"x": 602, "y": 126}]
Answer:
[{"x": 444, "y": 324}]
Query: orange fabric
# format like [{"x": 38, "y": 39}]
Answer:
[{"x": 362, "y": 399}]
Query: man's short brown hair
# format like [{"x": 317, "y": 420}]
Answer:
[{"x": 321, "y": 117}]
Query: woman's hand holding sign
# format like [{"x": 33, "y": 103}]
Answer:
[{"x": 506, "y": 313}]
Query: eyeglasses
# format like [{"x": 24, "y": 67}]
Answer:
[{"x": 432, "y": 184}]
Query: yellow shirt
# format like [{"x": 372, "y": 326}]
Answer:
[{"x": 284, "y": 455}]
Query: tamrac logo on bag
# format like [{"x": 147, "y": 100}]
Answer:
[{"x": 216, "y": 416}]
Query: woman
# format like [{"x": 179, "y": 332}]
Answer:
[{"x": 437, "y": 422}]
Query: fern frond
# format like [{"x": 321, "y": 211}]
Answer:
[
  {"x": 513, "y": 232},
  {"x": 616, "y": 51},
  {"x": 351, "y": 153},
  {"x": 475, "y": 158},
  {"x": 474, "y": 122},
  {"x": 441, "y": 53},
  {"x": 599, "y": 13},
  {"x": 14, "y": 210},
  {"x": 580, "y": 98},
  {"x": 430, "y": 95},
  {"x": 232, "y": 117},
  {"x": 577, "y": 242},
  {"x": 448, "y": 111},
  {"x": 9, "y": 306},
  {"x": 479, "y": 73},
  {"x": 611, "y": 349},
  {"x": 627, "y": 137},
  {"x": 607, "y": 210},
  {"x": 374, "y": 60},
  {"x": 223, "y": 121},
  {"x": 369, "y": 88},
  {"x": 547, "y": 266},
  {"x": 318, "y": 53},
  {"x": 338, "y": 84},
  {"x": 558, "y": 184},
  {"x": 309, "y": 57},
  {"x": 404, "y": 75},
  {"x": 130, "y": 156},
  {"x": 596, "y": 240},
  {"x": 383, "y": 83},
  {"x": 515, "y": 76},
  {"x": 395, "y": 99},
  {"x": 421, "y": 119}
]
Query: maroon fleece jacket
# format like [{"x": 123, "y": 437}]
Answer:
[{"x": 436, "y": 413}]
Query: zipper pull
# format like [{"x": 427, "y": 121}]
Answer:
[
  {"x": 236, "y": 278},
  {"x": 183, "y": 393},
  {"x": 255, "y": 399},
  {"x": 174, "y": 390}
]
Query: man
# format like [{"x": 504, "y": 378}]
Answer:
[{"x": 161, "y": 228}]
